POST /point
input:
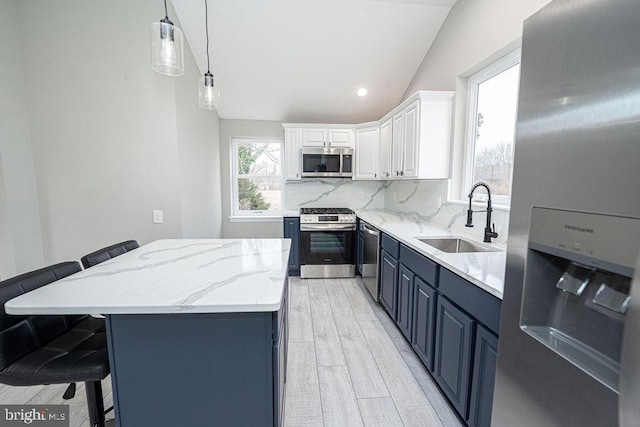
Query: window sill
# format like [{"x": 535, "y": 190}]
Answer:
[
  {"x": 481, "y": 204},
  {"x": 255, "y": 218}
]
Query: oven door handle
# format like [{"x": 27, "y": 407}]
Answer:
[{"x": 323, "y": 227}]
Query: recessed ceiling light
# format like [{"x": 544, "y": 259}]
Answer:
[{"x": 362, "y": 92}]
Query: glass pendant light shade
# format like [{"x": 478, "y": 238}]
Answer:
[
  {"x": 208, "y": 92},
  {"x": 167, "y": 48}
]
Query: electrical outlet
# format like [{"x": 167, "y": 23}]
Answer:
[
  {"x": 290, "y": 195},
  {"x": 158, "y": 217},
  {"x": 361, "y": 195}
]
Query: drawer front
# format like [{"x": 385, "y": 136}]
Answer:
[
  {"x": 420, "y": 265},
  {"x": 391, "y": 246},
  {"x": 480, "y": 304}
]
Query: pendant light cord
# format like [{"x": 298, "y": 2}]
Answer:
[
  {"x": 166, "y": 14},
  {"x": 206, "y": 24}
]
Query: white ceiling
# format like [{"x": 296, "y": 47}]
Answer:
[{"x": 303, "y": 60}]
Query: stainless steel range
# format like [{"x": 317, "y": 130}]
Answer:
[{"x": 327, "y": 242}]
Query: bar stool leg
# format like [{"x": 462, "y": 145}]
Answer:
[{"x": 95, "y": 403}]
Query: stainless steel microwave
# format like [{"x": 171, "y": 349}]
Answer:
[{"x": 327, "y": 162}]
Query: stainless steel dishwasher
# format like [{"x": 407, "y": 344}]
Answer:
[{"x": 370, "y": 258}]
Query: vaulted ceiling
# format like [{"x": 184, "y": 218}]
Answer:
[{"x": 303, "y": 60}]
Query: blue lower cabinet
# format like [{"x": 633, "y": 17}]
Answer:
[
  {"x": 453, "y": 354},
  {"x": 404, "y": 313},
  {"x": 292, "y": 231},
  {"x": 388, "y": 281},
  {"x": 424, "y": 321},
  {"x": 484, "y": 374}
]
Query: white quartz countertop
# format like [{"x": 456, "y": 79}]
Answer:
[
  {"x": 290, "y": 213},
  {"x": 484, "y": 269},
  {"x": 171, "y": 276}
]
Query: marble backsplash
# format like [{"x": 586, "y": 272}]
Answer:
[
  {"x": 427, "y": 201},
  {"x": 420, "y": 200},
  {"x": 334, "y": 193}
]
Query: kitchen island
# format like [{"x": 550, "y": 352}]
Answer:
[{"x": 197, "y": 329}]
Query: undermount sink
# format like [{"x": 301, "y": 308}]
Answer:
[{"x": 454, "y": 245}]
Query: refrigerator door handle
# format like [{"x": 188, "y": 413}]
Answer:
[{"x": 628, "y": 408}]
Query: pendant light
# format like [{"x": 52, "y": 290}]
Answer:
[
  {"x": 208, "y": 90},
  {"x": 167, "y": 48}
]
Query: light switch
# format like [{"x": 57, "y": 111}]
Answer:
[{"x": 158, "y": 217}]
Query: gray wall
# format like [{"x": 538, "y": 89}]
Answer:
[
  {"x": 199, "y": 159},
  {"x": 7, "y": 255},
  {"x": 244, "y": 128},
  {"x": 111, "y": 139},
  {"x": 20, "y": 235},
  {"x": 475, "y": 33}
]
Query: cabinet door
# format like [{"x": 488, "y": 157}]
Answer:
[
  {"x": 484, "y": 375},
  {"x": 366, "y": 153},
  {"x": 339, "y": 138},
  {"x": 292, "y": 155},
  {"x": 404, "y": 317},
  {"x": 280, "y": 350},
  {"x": 314, "y": 137},
  {"x": 410, "y": 152},
  {"x": 292, "y": 231},
  {"x": 388, "y": 280},
  {"x": 454, "y": 343},
  {"x": 384, "y": 153},
  {"x": 424, "y": 319},
  {"x": 397, "y": 142}
]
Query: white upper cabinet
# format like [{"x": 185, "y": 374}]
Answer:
[
  {"x": 410, "y": 147},
  {"x": 292, "y": 153},
  {"x": 384, "y": 152},
  {"x": 397, "y": 143},
  {"x": 366, "y": 153},
  {"x": 340, "y": 137},
  {"x": 314, "y": 137},
  {"x": 413, "y": 141},
  {"x": 327, "y": 137},
  {"x": 421, "y": 136}
]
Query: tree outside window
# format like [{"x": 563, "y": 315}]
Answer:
[
  {"x": 257, "y": 179},
  {"x": 493, "y": 110}
]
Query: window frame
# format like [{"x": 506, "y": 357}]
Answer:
[
  {"x": 492, "y": 69},
  {"x": 256, "y": 215}
]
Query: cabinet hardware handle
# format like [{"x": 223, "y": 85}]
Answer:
[
  {"x": 375, "y": 175},
  {"x": 402, "y": 173}
]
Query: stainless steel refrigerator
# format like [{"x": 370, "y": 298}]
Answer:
[{"x": 569, "y": 348}]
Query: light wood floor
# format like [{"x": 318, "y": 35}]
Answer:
[
  {"x": 348, "y": 366},
  {"x": 52, "y": 394}
]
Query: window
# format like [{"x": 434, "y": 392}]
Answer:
[
  {"x": 257, "y": 179},
  {"x": 492, "y": 107}
]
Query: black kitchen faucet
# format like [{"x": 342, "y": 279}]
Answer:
[{"x": 488, "y": 232}]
